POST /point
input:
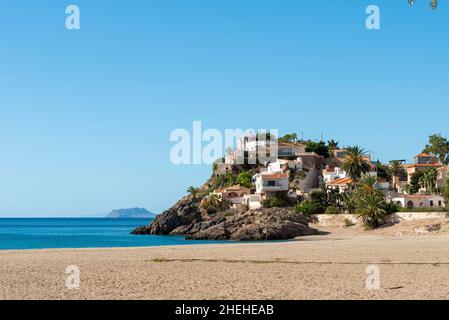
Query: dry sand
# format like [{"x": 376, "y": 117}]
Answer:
[{"x": 331, "y": 266}]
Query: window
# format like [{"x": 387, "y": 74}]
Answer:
[
  {"x": 271, "y": 183},
  {"x": 439, "y": 203},
  {"x": 431, "y": 203}
]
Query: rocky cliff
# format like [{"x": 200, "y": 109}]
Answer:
[{"x": 188, "y": 219}]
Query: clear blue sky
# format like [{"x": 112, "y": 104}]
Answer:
[{"x": 85, "y": 116}]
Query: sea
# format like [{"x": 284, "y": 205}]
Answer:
[{"x": 48, "y": 233}]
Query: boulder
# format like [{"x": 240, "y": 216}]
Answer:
[
  {"x": 263, "y": 224},
  {"x": 183, "y": 213}
]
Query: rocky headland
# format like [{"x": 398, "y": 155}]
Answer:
[{"x": 189, "y": 219}]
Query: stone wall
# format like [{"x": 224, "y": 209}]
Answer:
[
  {"x": 334, "y": 220},
  {"x": 408, "y": 216},
  {"x": 338, "y": 220}
]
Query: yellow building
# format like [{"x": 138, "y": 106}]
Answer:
[{"x": 423, "y": 161}]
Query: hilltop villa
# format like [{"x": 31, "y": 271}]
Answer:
[
  {"x": 269, "y": 185},
  {"x": 296, "y": 172},
  {"x": 423, "y": 161}
]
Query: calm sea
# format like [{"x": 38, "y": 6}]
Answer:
[{"x": 80, "y": 233}]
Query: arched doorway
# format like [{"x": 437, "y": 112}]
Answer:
[{"x": 410, "y": 205}]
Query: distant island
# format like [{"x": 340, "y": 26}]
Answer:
[{"x": 130, "y": 213}]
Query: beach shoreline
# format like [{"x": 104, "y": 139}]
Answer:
[{"x": 329, "y": 266}]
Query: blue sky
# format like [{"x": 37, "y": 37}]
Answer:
[{"x": 85, "y": 116}]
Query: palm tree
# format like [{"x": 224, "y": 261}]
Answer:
[
  {"x": 370, "y": 210},
  {"x": 369, "y": 201},
  {"x": 213, "y": 199},
  {"x": 365, "y": 187},
  {"x": 367, "y": 184},
  {"x": 349, "y": 204},
  {"x": 428, "y": 179},
  {"x": 332, "y": 145},
  {"x": 356, "y": 163},
  {"x": 433, "y": 3},
  {"x": 396, "y": 169},
  {"x": 193, "y": 191}
]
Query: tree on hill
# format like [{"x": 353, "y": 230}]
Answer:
[
  {"x": 356, "y": 163},
  {"x": 193, "y": 191},
  {"x": 428, "y": 179},
  {"x": 332, "y": 145},
  {"x": 319, "y": 148},
  {"x": 396, "y": 170},
  {"x": 245, "y": 179},
  {"x": 288, "y": 138},
  {"x": 438, "y": 147},
  {"x": 383, "y": 171},
  {"x": 415, "y": 182}
]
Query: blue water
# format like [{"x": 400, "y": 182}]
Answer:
[{"x": 80, "y": 233}]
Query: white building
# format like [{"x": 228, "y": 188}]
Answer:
[
  {"x": 253, "y": 201},
  {"x": 281, "y": 165},
  {"x": 270, "y": 184},
  {"x": 412, "y": 201},
  {"x": 330, "y": 175}
]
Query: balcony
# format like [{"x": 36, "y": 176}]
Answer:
[{"x": 277, "y": 187}]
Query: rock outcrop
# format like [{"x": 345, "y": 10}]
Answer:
[
  {"x": 184, "y": 213},
  {"x": 186, "y": 218}
]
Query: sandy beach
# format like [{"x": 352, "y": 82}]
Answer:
[{"x": 329, "y": 266}]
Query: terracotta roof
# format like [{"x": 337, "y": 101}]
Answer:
[
  {"x": 416, "y": 196},
  {"x": 275, "y": 176},
  {"x": 421, "y": 165},
  {"x": 423, "y": 155},
  {"x": 341, "y": 181}
]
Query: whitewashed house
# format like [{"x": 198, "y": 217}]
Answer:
[
  {"x": 330, "y": 174},
  {"x": 253, "y": 201},
  {"x": 281, "y": 165},
  {"x": 412, "y": 201},
  {"x": 269, "y": 185}
]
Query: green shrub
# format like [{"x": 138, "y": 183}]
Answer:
[
  {"x": 274, "y": 203},
  {"x": 245, "y": 179},
  {"x": 332, "y": 210},
  {"x": 391, "y": 208},
  {"x": 308, "y": 208}
]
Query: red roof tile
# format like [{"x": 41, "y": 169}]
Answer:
[{"x": 275, "y": 176}]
